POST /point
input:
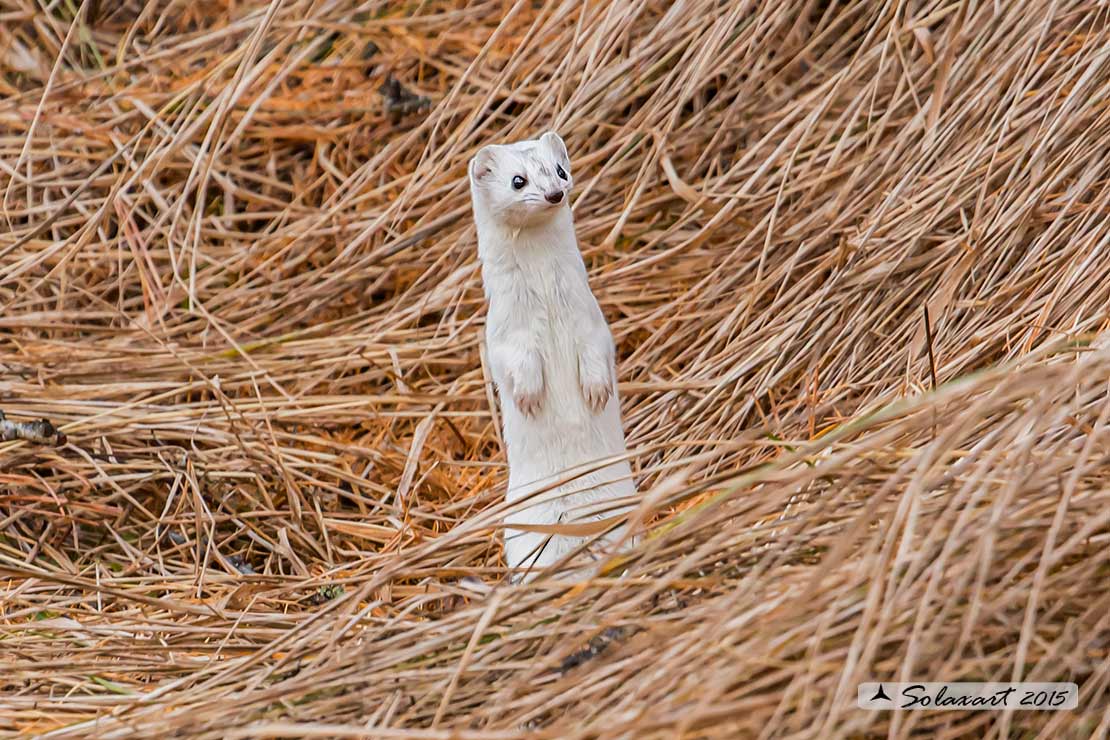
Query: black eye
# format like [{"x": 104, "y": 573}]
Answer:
[
  {"x": 519, "y": 182},
  {"x": 560, "y": 171}
]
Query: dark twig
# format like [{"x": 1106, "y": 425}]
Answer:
[
  {"x": 596, "y": 647},
  {"x": 39, "y": 431},
  {"x": 399, "y": 101},
  {"x": 929, "y": 344},
  {"x": 932, "y": 360}
]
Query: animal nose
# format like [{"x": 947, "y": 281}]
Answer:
[{"x": 554, "y": 197}]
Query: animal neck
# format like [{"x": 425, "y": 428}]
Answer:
[{"x": 497, "y": 240}]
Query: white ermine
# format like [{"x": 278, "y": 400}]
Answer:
[{"x": 550, "y": 351}]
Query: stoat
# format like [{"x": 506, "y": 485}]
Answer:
[{"x": 550, "y": 350}]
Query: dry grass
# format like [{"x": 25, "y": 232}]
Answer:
[{"x": 237, "y": 270}]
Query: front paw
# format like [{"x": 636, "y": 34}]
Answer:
[
  {"x": 597, "y": 394},
  {"x": 527, "y": 403}
]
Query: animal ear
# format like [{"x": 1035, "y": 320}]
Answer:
[
  {"x": 555, "y": 143},
  {"x": 482, "y": 164}
]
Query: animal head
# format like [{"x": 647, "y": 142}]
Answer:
[{"x": 522, "y": 184}]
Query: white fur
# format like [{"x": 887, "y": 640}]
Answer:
[{"x": 550, "y": 350}]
